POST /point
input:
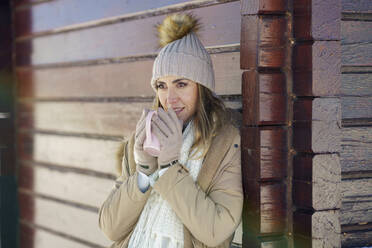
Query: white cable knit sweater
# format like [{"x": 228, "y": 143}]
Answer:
[{"x": 158, "y": 226}]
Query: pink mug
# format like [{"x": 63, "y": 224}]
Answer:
[{"x": 151, "y": 144}]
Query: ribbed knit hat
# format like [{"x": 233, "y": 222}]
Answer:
[{"x": 183, "y": 54}]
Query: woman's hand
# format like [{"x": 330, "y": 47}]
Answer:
[
  {"x": 168, "y": 129},
  {"x": 145, "y": 162}
]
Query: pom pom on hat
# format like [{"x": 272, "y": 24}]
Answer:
[
  {"x": 175, "y": 27},
  {"x": 182, "y": 53}
]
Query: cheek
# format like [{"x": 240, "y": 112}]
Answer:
[{"x": 193, "y": 99}]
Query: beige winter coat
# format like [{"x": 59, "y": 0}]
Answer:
[{"x": 210, "y": 208}]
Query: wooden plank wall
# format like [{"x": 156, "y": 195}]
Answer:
[
  {"x": 83, "y": 70},
  {"x": 356, "y": 94}
]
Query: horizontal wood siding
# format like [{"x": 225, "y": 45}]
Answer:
[
  {"x": 356, "y": 153},
  {"x": 121, "y": 39},
  {"x": 62, "y": 13},
  {"x": 82, "y": 82},
  {"x": 102, "y": 79}
]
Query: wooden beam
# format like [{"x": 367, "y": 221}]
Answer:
[
  {"x": 42, "y": 212},
  {"x": 263, "y": 6},
  {"x": 122, "y": 39},
  {"x": 265, "y": 152},
  {"x": 316, "y": 123},
  {"x": 317, "y": 181},
  {"x": 267, "y": 101},
  {"x": 114, "y": 79},
  {"x": 320, "y": 229},
  {"x": 313, "y": 20},
  {"x": 316, "y": 68},
  {"x": 265, "y": 41}
]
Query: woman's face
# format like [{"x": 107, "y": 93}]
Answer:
[{"x": 178, "y": 93}]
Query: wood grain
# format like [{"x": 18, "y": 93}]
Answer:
[
  {"x": 355, "y": 212},
  {"x": 88, "y": 118},
  {"x": 357, "y": 6},
  {"x": 317, "y": 109},
  {"x": 317, "y": 124},
  {"x": 356, "y": 107},
  {"x": 356, "y": 153},
  {"x": 57, "y": 14},
  {"x": 263, "y": 41},
  {"x": 221, "y": 27},
  {"x": 316, "y": 69},
  {"x": 65, "y": 221},
  {"x": 63, "y": 185},
  {"x": 316, "y": 181},
  {"x": 263, "y": 6},
  {"x": 264, "y": 152},
  {"x": 356, "y": 201},
  {"x": 358, "y": 54},
  {"x": 357, "y": 239},
  {"x": 99, "y": 118},
  {"x": 114, "y": 80},
  {"x": 356, "y": 85},
  {"x": 318, "y": 230},
  {"x": 38, "y": 238},
  {"x": 312, "y": 19},
  {"x": 265, "y": 207},
  {"x": 264, "y": 98},
  {"x": 356, "y": 37},
  {"x": 355, "y": 32},
  {"x": 317, "y": 136},
  {"x": 89, "y": 154}
]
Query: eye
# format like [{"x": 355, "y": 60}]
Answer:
[
  {"x": 181, "y": 84},
  {"x": 160, "y": 86}
]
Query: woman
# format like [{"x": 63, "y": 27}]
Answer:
[{"x": 191, "y": 194}]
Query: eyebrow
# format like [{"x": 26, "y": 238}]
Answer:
[{"x": 174, "y": 81}]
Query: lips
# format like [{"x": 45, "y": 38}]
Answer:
[{"x": 178, "y": 110}]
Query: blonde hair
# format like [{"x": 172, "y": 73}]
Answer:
[{"x": 208, "y": 119}]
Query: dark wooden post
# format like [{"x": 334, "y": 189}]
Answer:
[
  {"x": 290, "y": 54},
  {"x": 317, "y": 121},
  {"x": 265, "y": 41},
  {"x": 8, "y": 186}
]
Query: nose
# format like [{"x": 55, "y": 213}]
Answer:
[{"x": 172, "y": 96}]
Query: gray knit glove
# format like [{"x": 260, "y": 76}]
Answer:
[
  {"x": 168, "y": 129},
  {"x": 145, "y": 162}
]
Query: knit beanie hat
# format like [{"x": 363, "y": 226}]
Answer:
[{"x": 182, "y": 54}]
